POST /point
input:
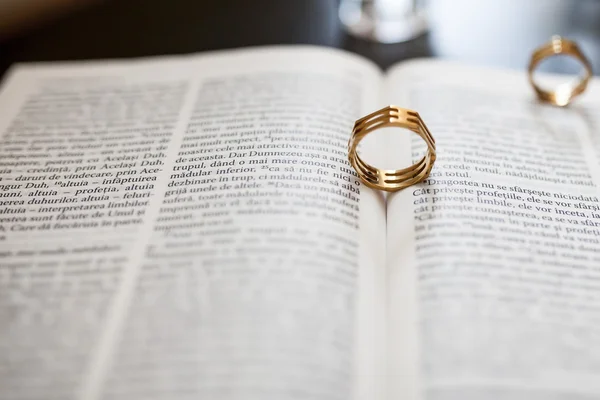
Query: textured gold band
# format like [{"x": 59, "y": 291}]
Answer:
[
  {"x": 391, "y": 180},
  {"x": 564, "y": 93}
]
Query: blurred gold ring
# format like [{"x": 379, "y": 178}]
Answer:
[
  {"x": 565, "y": 92},
  {"x": 391, "y": 180}
]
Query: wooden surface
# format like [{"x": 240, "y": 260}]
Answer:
[{"x": 133, "y": 28}]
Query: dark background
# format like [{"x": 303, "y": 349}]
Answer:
[{"x": 134, "y": 28}]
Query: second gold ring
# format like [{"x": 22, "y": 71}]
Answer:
[{"x": 565, "y": 92}]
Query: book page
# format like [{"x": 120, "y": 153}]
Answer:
[
  {"x": 494, "y": 260},
  {"x": 189, "y": 228}
]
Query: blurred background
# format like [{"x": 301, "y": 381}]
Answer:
[{"x": 485, "y": 32}]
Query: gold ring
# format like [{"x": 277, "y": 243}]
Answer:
[
  {"x": 565, "y": 92},
  {"x": 391, "y": 180}
]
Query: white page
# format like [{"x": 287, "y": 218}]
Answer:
[
  {"x": 230, "y": 276},
  {"x": 494, "y": 261}
]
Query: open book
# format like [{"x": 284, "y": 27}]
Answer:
[{"x": 190, "y": 228}]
